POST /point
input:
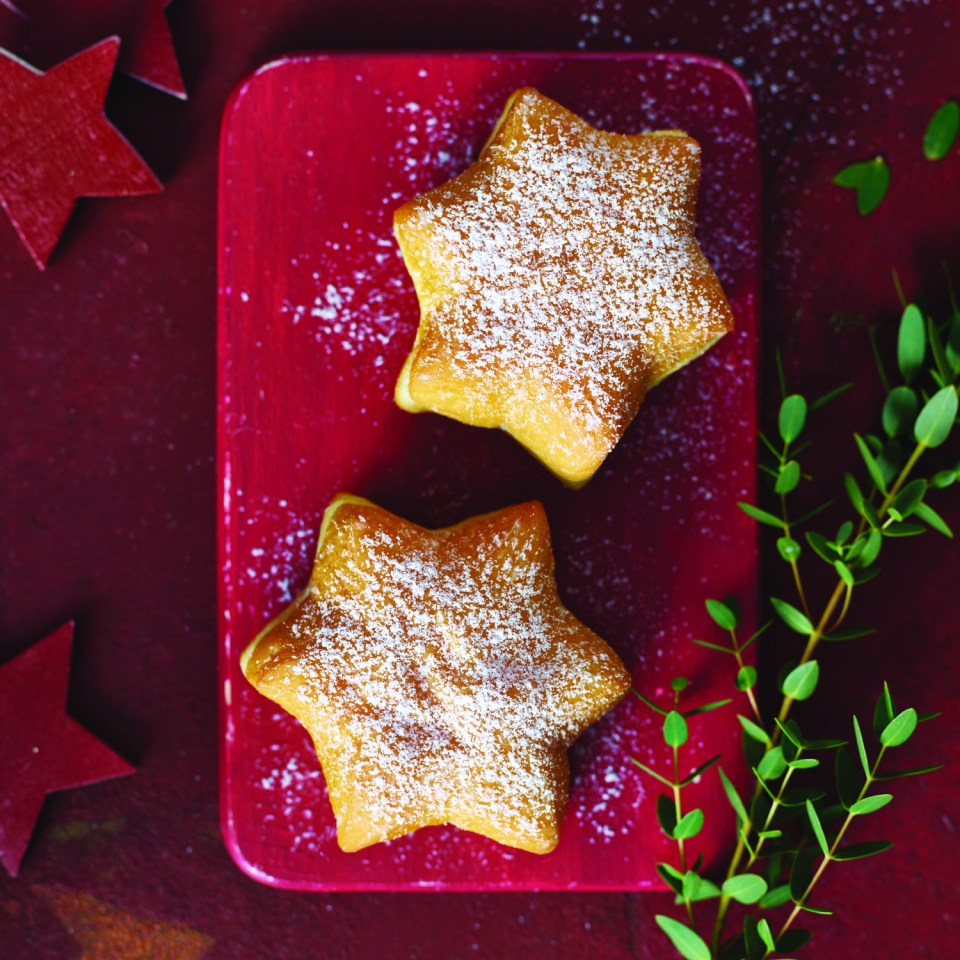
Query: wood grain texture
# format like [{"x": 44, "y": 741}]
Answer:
[{"x": 316, "y": 316}]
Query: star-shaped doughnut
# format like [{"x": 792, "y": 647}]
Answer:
[
  {"x": 559, "y": 279},
  {"x": 438, "y": 673}
]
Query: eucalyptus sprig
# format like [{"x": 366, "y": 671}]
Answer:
[{"x": 790, "y": 827}]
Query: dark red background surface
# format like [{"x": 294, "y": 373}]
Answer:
[{"x": 108, "y": 502}]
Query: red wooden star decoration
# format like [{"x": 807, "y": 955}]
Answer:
[
  {"x": 42, "y": 749},
  {"x": 57, "y": 145},
  {"x": 59, "y": 27}
]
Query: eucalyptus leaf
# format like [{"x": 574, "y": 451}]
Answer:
[
  {"x": 817, "y": 829},
  {"x": 693, "y": 774},
  {"x": 651, "y": 773},
  {"x": 854, "y": 493},
  {"x": 722, "y": 615},
  {"x": 936, "y": 419},
  {"x": 775, "y": 897},
  {"x": 792, "y": 617},
  {"x": 793, "y": 417},
  {"x": 707, "y": 707},
  {"x": 733, "y": 797},
  {"x": 913, "y": 772},
  {"x": 675, "y": 731},
  {"x": 789, "y": 549},
  {"x": 941, "y": 132},
  {"x": 745, "y": 887},
  {"x": 899, "y": 730},
  {"x": 870, "y": 461},
  {"x": 870, "y": 804},
  {"x": 929, "y": 516},
  {"x": 791, "y": 731},
  {"x": 666, "y": 814},
  {"x": 822, "y": 547},
  {"x": 746, "y": 678},
  {"x": 857, "y": 851},
  {"x": 761, "y": 516},
  {"x": 689, "y": 944},
  {"x": 798, "y": 796},
  {"x": 804, "y": 763},
  {"x": 672, "y": 877},
  {"x": 800, "y": 682},
  {"x": 849, "y": 782},
  {"x": 904, "y": 530},
  {"x": 870, "y": 179},
  {"x": 884, "y": 711},
  {"x": 852, "y": 633},
  {"x": 679, "y": 684},
  {"x": 939, "y": 353},
  {"x": 689, "y": 826},
  {"x": 696, "y": 888},
  {"x": 900, "y": 411},
  {"x": 649, "y": 703},
  {"x": 802, "y": 873},
  {"x": 861, "y": 748},
  {"x": 844, "y": 572},
  {"x": 753, "y": 730},
  {"x": 773, "y": 765},
  {"x": 763, "y": 928},
  {"x": 910, "y": 497},
  {"x": 794, "y": 939},
  {"x": 911, "y": 342},
  {"x": 944, "y": 478},
  {"x": 788, "y": 477}
]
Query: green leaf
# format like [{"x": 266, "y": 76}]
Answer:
[
  {"x": 788, "y": 548},
  {"x": 873, "y": 468},
  {"x": 936, "y": 419},
  {"x": 854, "y": 493},
  {"x": 793, "y": 417},
  {"x": 714, "y": 646},
  {"x": 939, "y": 353},
  {"x": 941, "y": 132},
  {"x": 696, "y": 888},
  {"x": 869, "y": 804},
  {"x": 801, "y": 681},
  {"x": 861, "y": 748},
  {"x": 707, "y": 707},
  {"x": 688, "y": 943},
  {"x": 693, "y": 774},
  {"x": 844, "y": 572},
  {"x": 675, "y": 731},
  {"x": 817, "y": 829},
  {"x": 857, "y": 851},
  {"x": 759, "y": 633},
  {"x": 853, "y": 633},
  {"x": 791, "y": 731},
  {"x": 819, "y": 911},
  {"x": 733, "y": 797},
  {"x": 666, "y": 814},
  {"x": 911, "y": 342},
  {"x": 650, "y": 703},
  {"x": 773, "y": 764},
  {"x": 870, "y": 179},
  {"x": 770, "y": 834},
  {"x": 849, "y": 782},
  {"x": 910, "y": 497},
  {"x": 746, "y": 678},
  {"x": 822, "y": 546},
  {"x": 899, "y": 730},
  {"x": 689, "y": 826},
  {"x": 900, "y": 411},
  {"x": 929, "y": 516},
  {"x": 763, "y": 928},
  {"x": 722, "y": 615},
  {"x": 761, "y": 516},
  {"x": 884, "y": 711},
  {"x": 944, "y": 478},
  {"x": 794, "y": 939},
  {"x": 795, "y": 619},
  {"x": 679, "y": 684},
  {"x": 904, "y": 530},
  {"x": 775, "y": 897},
  {"x": 871, "y": 548},
  {"x": 788, "y": 478},
  {"x": 651, "y": 773},
  {"x": 745, "y": 887},
  {"x": 824, "y": 744},
  {"x": 804, "y": 763},
  {"x": 802, "y": 873},
  {"x": 914, "y": 772},
  {"x": 672, "y": 877},
  {"x": 799, "y": 796},
  {"x": 753, "y": 730}
]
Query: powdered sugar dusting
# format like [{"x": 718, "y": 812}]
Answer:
[
  {"x": 440, "y": 676},
  {"x": 558, "y": 278}
]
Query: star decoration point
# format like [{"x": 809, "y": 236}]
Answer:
[
  {"x": 439, "y": 674},
  {"x": 42, "y": 750},
  {"x": 56, "y": 145}
]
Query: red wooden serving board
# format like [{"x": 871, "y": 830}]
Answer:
[{"x": 316, "y": 315}]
